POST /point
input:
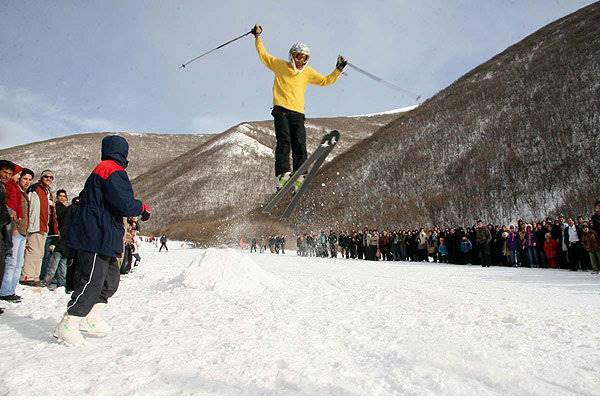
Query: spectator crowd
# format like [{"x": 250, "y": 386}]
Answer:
[
  {"x": 564, "y": 243},
  {"x": 34, "y": 223}
]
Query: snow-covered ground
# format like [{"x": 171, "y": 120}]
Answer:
[{"x": 222, "y": 321}]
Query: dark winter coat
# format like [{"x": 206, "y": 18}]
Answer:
[
  {"x": 483, "y": 235},
  {"x": 596, "y": 223},
  {"x": 466, "y": 246},
  {"x": 514, "y": 241},
  {"x": 539, "y": 238},
  {"x": 4, "y": 215},
  {"x": 107, "y": 197},
  {"x": 66, "y": 217},
  {"x": 590, "y": 241}
]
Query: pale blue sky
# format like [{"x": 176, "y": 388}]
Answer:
[{"x": 82, "y": 66}]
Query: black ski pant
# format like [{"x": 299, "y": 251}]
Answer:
[
  {"x": 163, "y": 245},
  {"x": 291, "y": 135},
  {"x": 96, "y": 280}
]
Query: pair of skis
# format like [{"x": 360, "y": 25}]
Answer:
[{"x": 311, "y": 166}]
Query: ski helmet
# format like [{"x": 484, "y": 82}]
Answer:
[{"x": 300, "y": 48}]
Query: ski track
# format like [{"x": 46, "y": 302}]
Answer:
[{"x": 311, "y": 326}]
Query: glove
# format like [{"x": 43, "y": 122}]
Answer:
[
  {"x": 145, "y": 212},
  {"x": 257, "y": 30},
  {"x": 341, "y": 63}
]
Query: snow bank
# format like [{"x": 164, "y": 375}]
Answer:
[{"x": 227, "y": 270}]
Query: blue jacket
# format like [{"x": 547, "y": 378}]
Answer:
[
  {"x": 466, "y": 246},
  {"x": 107, "y": 197}
]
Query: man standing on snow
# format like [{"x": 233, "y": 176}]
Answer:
[
  {"x": 291, "y": 80},
  {"x": 96, "y": 234}
]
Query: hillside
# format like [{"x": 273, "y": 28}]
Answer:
[
  {"x": 517, "y": 136},
  {"x": 72, "y": 158}
]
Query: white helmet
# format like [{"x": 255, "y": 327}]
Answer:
[{"x": 300, "y": 48}]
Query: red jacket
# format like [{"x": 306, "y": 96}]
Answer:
[{"x": 13, "y": 197}]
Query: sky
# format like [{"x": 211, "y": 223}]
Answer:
[{"x": 70, "y": 67}]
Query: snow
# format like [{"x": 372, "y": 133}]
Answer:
[
  {"x": 227, "y": 271},
  {"x": 241, "y": 143},
  {"x": 223, "y": 321},
  {"x": 394, "y": 111}
]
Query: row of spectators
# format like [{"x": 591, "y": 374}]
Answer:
[
  {"x": 34, "y": 222},
  {"x": 275, "y": 244},
  {"x": 561, "y": 243}
]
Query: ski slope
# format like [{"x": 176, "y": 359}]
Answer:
[{"x": 222, "y": 321}]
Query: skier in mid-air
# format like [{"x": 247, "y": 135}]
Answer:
[{"x": 291, "y": 80}]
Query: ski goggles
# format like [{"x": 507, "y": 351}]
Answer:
[{"x": 300, "y": 57}]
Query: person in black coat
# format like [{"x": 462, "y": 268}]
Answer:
[
  {"x": 596, "y": 218},
  {"x": 96, "y": 234}
]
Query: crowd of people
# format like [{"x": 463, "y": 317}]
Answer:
[
  {"x": 35, "y": 222},
  {"x": 275, "y": 244},
  {"x": 565, "y": 243}
]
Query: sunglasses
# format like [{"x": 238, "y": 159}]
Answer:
[{"x": 48, "y": 177}]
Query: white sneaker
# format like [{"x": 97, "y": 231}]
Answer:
[
  {"x": 67, "y": 331},
  {"x": 94, "y": 324}
]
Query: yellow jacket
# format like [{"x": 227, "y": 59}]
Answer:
[{"x": 289, "y": 87}]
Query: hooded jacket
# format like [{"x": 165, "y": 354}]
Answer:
[{"x": 107, "y": 197}]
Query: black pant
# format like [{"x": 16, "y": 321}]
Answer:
[
  {"x": 484, "y": 254},
  {"x": 163, "y": 245},
  {"x": 96, "y": 280},
  {"x": 576, "y": 253},
  {"x": 360, "y": 252},
  {"x": 291, "y": 135}
]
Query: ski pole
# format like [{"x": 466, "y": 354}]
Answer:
[
  {"x": 216, "y": 48},
  {"x": 386, "y": 83}
]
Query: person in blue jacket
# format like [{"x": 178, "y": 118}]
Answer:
[{"x": 96, "y": 237}]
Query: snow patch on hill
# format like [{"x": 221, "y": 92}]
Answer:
[{"x": 241, "y": 143}]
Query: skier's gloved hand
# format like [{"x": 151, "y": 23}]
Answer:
[
  {"x": 145, "y": 212},
  {"x": 256, "y": 31},
  {"x": 341, "y": 63}
]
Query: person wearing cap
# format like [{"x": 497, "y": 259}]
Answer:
[
  {"x": 42, "y": 222},
  {"x": 292, "y": 77},
  {"x": 95, "y": 235}
]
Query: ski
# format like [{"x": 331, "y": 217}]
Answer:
[
  {"x": 333, "y": 139},
  {"x": 312, "y": 164}
]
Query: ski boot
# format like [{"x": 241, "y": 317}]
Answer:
[
  {"x": 282, "y": 180},
  {"x": 298, "y": 184}
]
